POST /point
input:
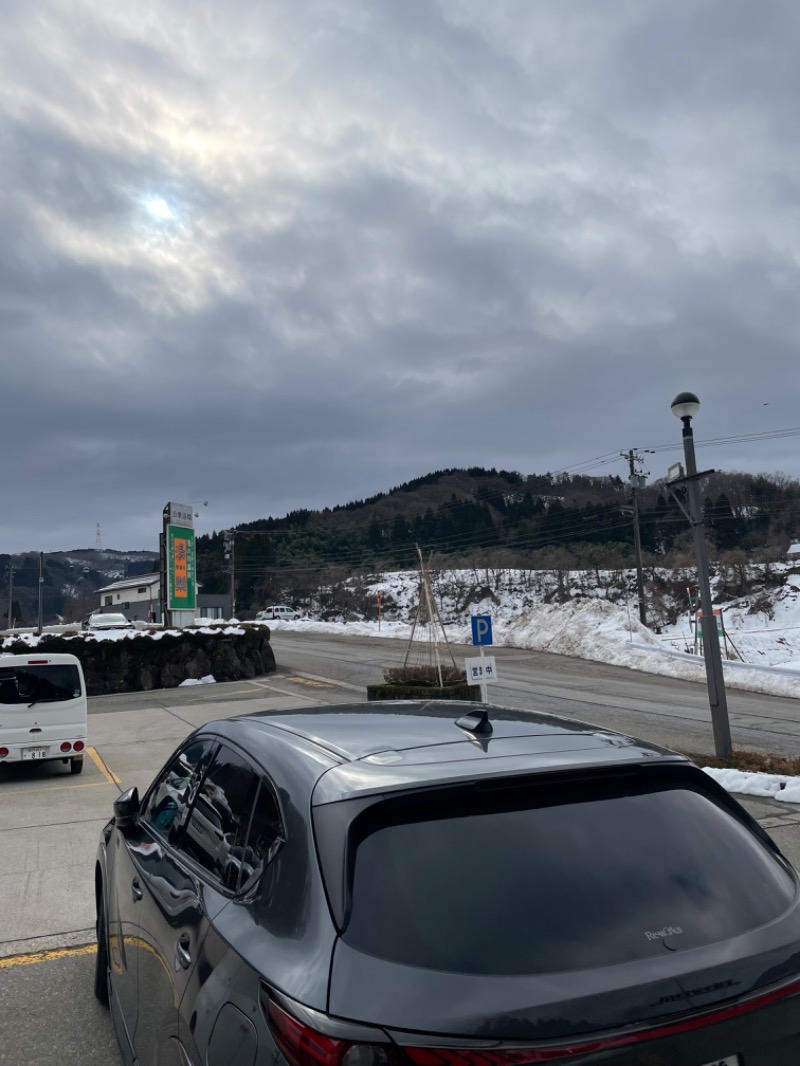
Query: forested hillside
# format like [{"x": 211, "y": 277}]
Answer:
[
  {"x": 475, "y": 515},
  {"x": 462, "y": 518}
]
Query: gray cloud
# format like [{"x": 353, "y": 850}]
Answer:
[{"x": 274, "y": 258}]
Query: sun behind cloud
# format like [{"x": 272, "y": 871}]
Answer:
[{"x": 159, "y": 209}]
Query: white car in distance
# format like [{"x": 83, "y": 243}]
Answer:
[
  {"x": 286, "y": 614},
  {"x": 107, "y": 621}
]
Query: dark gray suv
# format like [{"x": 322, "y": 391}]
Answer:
[{"x": 437, "y": 884}]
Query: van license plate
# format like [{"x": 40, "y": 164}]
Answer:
[
  {"x": 34, "y": 753},
  {"x": 729, "y": 1060}
]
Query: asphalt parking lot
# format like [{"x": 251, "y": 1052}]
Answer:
[{"x": 49, "y": 826}]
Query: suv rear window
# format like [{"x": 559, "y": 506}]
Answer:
[{"x": 535, "y": 880}]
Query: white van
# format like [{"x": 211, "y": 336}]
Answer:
[
  {"x": 288, "y": 614},
  {"x": 43, "y": 709}
]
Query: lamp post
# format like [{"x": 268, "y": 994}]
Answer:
[{"x": 685, "y": 406}]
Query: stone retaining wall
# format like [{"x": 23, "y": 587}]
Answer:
[{"x": 162, "y": 660}]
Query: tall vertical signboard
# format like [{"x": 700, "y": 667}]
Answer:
[
  {"x": 179, "y": 564},
  {"x": 181, "y": 569}
]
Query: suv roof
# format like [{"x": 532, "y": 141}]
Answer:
[{"x": 370, "y": 747}]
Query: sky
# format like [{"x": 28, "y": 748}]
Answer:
[{"x": 260, "y": 256}]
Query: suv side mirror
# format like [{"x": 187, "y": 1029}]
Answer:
[{"x": 126, "y": 808}]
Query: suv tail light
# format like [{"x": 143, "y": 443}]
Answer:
[
  {"x": 304, "y": 1045},
  {"x": 562, "y": 1052}
]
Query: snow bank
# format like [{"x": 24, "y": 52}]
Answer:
[
  {"x": 770, "y": 786},
  {"x": 586, "y": 629}
]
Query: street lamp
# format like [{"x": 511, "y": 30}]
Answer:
[{"x": 685, "y": 406}]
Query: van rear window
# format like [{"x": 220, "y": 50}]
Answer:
[
  {"x": 46, "y": 683},
  {"x": 532, "y": 881}
]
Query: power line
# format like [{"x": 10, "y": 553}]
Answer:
[
  {"x": 711, "y": 442},
  {"x": 575, "y": 524}
]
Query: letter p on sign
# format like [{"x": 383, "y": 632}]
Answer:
[{"x": 481, "y": 629}]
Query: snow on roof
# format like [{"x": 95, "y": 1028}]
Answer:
[
  {"x": 794, "y": 549},
  {"x": 132, "y": 582}
]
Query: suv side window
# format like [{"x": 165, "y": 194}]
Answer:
[
  {"x": 266, "y": 833},
  {"x": 171, "y": 794},
  {"x": 234, "y": 821}
]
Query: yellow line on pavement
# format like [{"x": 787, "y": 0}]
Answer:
[
  {"x": 101, "y": 766},
  {"x": 207, "y": 699},
  {"x": 309, "y": 682},
  {"x": 50, "y": 788},
  {"x": 47, "y": 956},
  {"x": 110, "y": 778}
]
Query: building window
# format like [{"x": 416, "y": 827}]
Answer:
[
  {"x": 107, "y": 602},
  {"x": 142, "y": 590}
]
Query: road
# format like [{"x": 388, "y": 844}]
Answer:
[
  {"x": 50, "y": 821},
  {"x": 659, "y": 709}
]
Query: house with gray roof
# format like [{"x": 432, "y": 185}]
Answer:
[{"x": 139, "y": 599}]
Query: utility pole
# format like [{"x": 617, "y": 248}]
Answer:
[
  {"x": 229, "y": 548},
  {"x": 41, "y": 582},
  {"x": 637, "y": 481},
  {"x": 11, "y": 570}
]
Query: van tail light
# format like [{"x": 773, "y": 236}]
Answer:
[
  {"x": 66, "y": 746},
  {"x": 78, "y": 745},
  {"x": 3, "y": 753},
  {"x": 302, "y": 1044}
]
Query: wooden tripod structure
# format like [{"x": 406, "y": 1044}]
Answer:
[{"x": 429, "y": 646}]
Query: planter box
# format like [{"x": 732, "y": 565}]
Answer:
[{"x": 461, "y": 691}]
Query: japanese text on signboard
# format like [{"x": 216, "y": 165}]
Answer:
[
  {"x": 181, "y": 581},
  {"x": 479, "y": 671}
]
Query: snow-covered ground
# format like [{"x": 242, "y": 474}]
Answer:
[{"x": 600, "y": 623}]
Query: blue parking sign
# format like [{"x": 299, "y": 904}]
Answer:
[{"x": 481, "y": 629}]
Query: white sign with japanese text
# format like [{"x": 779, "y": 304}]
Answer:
[
  {"x": 181, "y": 514},
  {"x": 479, "y": 671}
]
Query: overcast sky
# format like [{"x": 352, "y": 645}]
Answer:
[{"x": 273, "y": 255}]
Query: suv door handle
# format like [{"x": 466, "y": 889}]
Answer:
[
  {"x": 136, "y": 890},
  {"x": 182, "y": 954}
]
